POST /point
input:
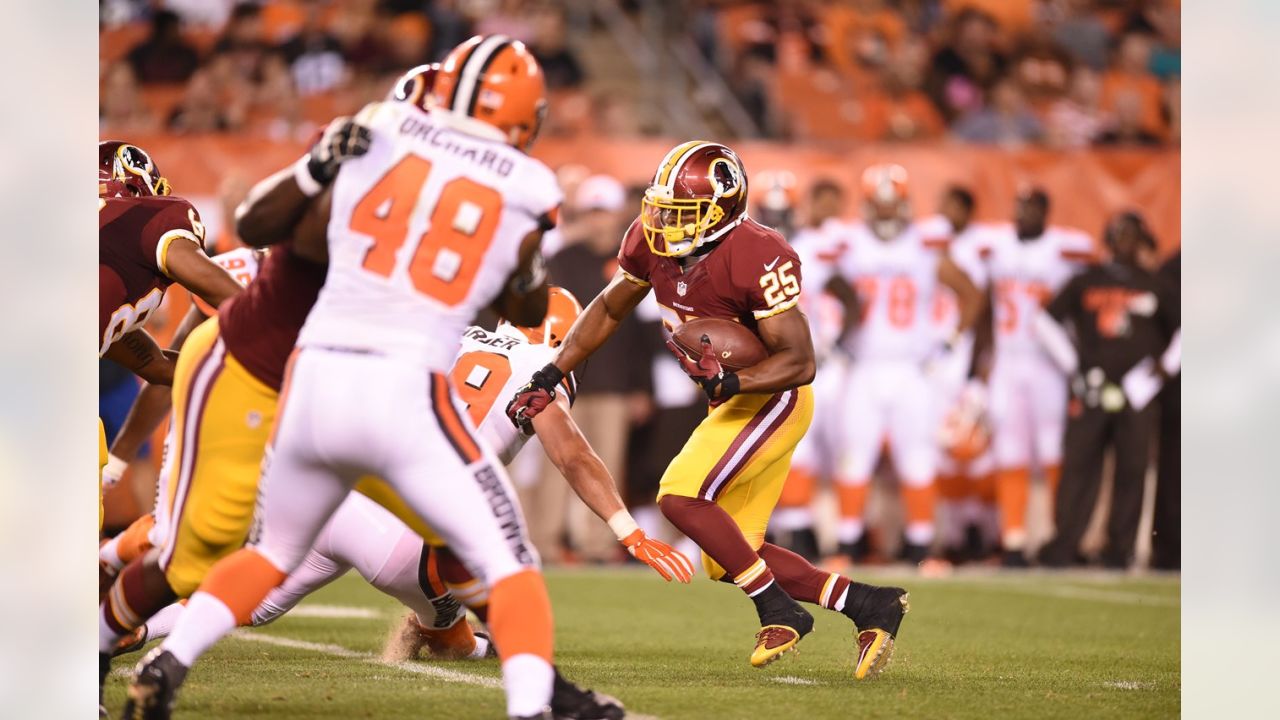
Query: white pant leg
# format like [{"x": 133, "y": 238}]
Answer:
[
  {"x": 315, "y": 572},
  {"x": 366, "y": 536},
  {"x": 910, "y": 428},
  {"x": 1048, "y": 395},
  {"x": 1010, "y": 413},
  {"x": 817, "y": 451},
  {"x": 865, "y": 421},
  {"x": 161, "y": 509}
]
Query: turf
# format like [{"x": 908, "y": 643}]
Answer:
[{"x": 973, "y": 646}]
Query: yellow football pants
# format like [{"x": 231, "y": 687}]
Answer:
[
  {"x": 739, "y": 457},
  {"x": 102, "y": 463}
]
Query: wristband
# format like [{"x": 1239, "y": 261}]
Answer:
[
  {"x": 551, "y": 375},
  {"x": 113, "y": 470},
  {"x": 622, "y": 524},
  {"x": 728, "y": 386},
  {"x": 302, "y": 175}
]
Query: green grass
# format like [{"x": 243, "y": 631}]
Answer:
[{"x": 973, "y": 646}]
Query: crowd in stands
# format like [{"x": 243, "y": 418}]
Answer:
[{"x": 1059, "y": 73}]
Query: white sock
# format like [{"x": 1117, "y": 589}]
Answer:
[
  {"x": 109, "y": 553},
  {"x": 920, "y": 533},
  {"x": 204, "y": 622},
  {"x": 849, "y": 530},
  {"x": 839, "y": 606},
  {"x": 107, "y": 637},
  {"x": 528, "y": 680},
  {"x": 791, "y": 519},
  {"x": 161, "y": 624}
]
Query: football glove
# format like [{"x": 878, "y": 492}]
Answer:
[
  {"x": 113, "y": 471},
  {"x": 342, "y": 140},
  {"x": 534, "y": 397},
  {"x": 669, "y": 562},
  {"x": 715, "y": 381}
]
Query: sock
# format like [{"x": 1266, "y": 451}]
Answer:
[
  {"x": 161, "y": 624},
  {"x": 718, "y": 535},
  {"x": 528, "y": 680},
  {"x": 241, "y": 581},
  {"x": 136, "y": 595},
  {"x": 755, "y": 579},
  {"x": 853, "y": 503},
  {"x": 797, "y": 492},
  {"x": 919, "y": 501},
  {"x": 108, "y": 555},
  {"x": 520, "y": 616},
  {"x": 205, "y": 621},
  {"x": 801, "y": 580},
  {"x": 1012, "y": 488}
]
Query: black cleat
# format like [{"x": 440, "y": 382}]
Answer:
[
  {"x": 1014, "y": 559},
  {"x": 913, "y": 553},
  {"x": 857, "y": 551},
  {"x": 570, "y": 702},
  {"x": 879, "y": 618},
  {"x": 803, "y": 542},
  {"x": 155, "y": 687}
]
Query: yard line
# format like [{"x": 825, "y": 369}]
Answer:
[
  {"x": 793, "y": 680},
  {"x": 1069, "y": 592}
]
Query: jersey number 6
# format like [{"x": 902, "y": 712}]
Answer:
[{"x": 448, "y": 254}]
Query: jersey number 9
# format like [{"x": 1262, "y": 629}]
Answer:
[{"x": 460, "y": 230}]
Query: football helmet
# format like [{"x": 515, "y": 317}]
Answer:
[
  {"x": 563, "y": 310},
  {"x": 778, "y": 201},
  {"x": 698, "y": 194},
  {"x": 125, "y": 170},
  {"x": 414, "y": 86},
  {"x": 885, "y": 195},
  {"x": 497, "y": 81},
  {"x": 966, "y": 430}
]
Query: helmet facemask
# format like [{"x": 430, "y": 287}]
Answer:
[{"x": 675, "y": 227}]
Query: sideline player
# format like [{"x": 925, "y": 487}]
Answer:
[
  {"x": 896, "y": 274},
  {"x": 695, "y": 245},
  {"x": 1028, "y": 264},
  {"x": 441, "y": 218}
]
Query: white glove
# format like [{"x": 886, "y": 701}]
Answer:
[{"x": 113, "y": 471}]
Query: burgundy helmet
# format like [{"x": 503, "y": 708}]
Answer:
[
  {"x": 126, "y": 170},
  {"x": 698, "y": 194},
  {"x": 414, "y": 86}
]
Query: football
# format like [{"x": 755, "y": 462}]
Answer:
[{"x": 736, "y": 346}]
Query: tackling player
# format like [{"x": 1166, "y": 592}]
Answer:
[
  {"x": 441, "y": 218},
  {"x": 696, "y": 247}
]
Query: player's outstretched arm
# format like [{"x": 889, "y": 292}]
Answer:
[
  {"x": 586, "y": 473},
  {"x": 790, "y": 363},
  {"x": 148, "y": 409},
  {"x": 191, "y": 268},
  {"x": 138, "y": 352}
]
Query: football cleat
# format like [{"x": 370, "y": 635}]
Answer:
[
  {"x": 779, "y": 638},
  {"x": 132, "y": 642},
  {"x": 570, "y": 702},
  {"x": 456, "y": 642},
  {"x": 155, "y": 687},
  {"x": 876, "y": 632}
]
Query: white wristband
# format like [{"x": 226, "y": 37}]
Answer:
[
  {"x": 113, "y": 470},
  {"x": 301, "y": 175},
  {"x": 622, "y": 524}
]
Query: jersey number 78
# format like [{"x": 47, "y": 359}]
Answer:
[{"x": 459, "y": 231}]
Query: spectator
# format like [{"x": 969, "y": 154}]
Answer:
[
  {"x": 1122, "y": 319},
  {"x": 1006, "y": 121},
  {"x": 201, "y": 110},
  {"x": 1083, "y": 33},
  {"x": 164, "y": 57},
  {"x": 861, "y": 37},
  {"x": 120, "y": 105},
  {"x": 967, "y": 67},
  {"x": 449, "y": 28},
  {"x": 1126, "y": 125},
  {"x": 901, "y": 111},
  {"x": 1042, "y": 70},
  {"x": 1129, "y": 83},
  {"x": 246, "y": 68},
  {"x": 510, "y": 18},
  {"x": 314, "y": 56},
  {"x": 1075, "y": 120},
  {"x": 559, "y": 63}
]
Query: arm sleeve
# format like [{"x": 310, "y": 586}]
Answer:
[{"x": 634, "y": 258}]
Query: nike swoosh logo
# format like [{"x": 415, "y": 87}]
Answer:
[{"x": 769, "y": 267}]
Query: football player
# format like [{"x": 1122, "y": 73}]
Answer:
[
  {"x": 1028, "y": 264},
  {"x": 442, "y": 217},
  {"x": 896, "y": 274},
  {"x": 703, "y": 256},
  {"x": 138, "y": 258}
]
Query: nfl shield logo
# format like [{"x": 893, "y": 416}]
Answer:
[{"x": 682, "y": 287}]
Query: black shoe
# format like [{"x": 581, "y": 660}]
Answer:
[
  {"x": 1014, "y": 559},
  {"x": 878, "y": 619},
  {"x": 570, "y": 702},
  {"x": 155, "y": 687},
  {"x": 803, "y": 542},
  {"x": 913, "y": 553},
  {"x": 857, "y": 551}
]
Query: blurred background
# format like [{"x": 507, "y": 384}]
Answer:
[{"x": 1078, "y": 97}]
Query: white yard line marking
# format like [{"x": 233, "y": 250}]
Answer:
[
  {"x": 342, "y": 612},
  {"x": 793, "y": 680},
  {"x": 339, "y": 651},
  {"x": 1128, "y": 685}
]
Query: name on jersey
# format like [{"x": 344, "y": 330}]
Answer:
[
  {"x": 436, "y": 137},
  {"x": 484, "y": 338}
]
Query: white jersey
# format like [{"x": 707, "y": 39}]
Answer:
[
  {"x": 242, "y": 263},
  {"x": 424, "y": 232},
  {"x": 824, "y": 312},
  {"x": 490, "y": 368},
  {"x": 1026, "y": 274},
  {"x": 896, "y": 282},
  {"x": 965, "y": 248}
]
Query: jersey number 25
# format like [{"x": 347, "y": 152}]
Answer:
[{"x": 460, "y": 230}]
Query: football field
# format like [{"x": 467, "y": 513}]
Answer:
[{"x": 979, "y": 645}]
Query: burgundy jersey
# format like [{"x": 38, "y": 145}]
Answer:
[
  {"x": 750, "y": 275},
  {"x": 260, "y": 325},
  {"x": 134, "y": 235}
]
